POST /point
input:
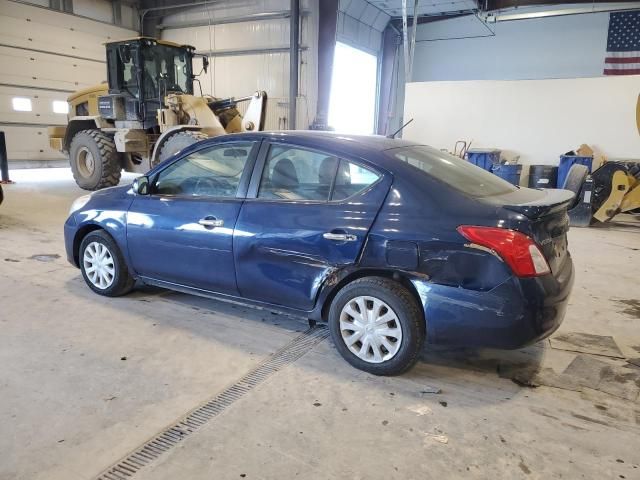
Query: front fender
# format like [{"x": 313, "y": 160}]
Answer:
[
  {"x": 79, "y": 123},
  {"x": 110, "y": 217}
]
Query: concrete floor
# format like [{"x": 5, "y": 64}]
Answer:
[{"x": 87, "y": 379}]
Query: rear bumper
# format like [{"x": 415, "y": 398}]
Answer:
[{"x": 514, "y": 314}]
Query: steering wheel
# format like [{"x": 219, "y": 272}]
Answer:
[{"x": 201, "y": 185}]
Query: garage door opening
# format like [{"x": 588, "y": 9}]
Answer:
[{"x": 352, "y": 105}]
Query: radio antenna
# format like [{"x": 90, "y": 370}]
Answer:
[{"x": 393, "y": 135}]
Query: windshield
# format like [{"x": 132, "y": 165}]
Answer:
[
  {"x": 166, "y": 68},
  {"x": 452, "y": 170}
]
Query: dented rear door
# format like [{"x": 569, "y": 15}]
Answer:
[{"x": 285, "y": 248}]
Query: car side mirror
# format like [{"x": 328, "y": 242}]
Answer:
[{"x": 141, "y": 185}]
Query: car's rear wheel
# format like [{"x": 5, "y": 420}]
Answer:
[
  {"x": 377, "y": 326},
  {"x": 103, "y": 266}
]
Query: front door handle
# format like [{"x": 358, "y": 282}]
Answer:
[
  {"x": 210, "y": 222},
  {"x": 340, "y": 237}
]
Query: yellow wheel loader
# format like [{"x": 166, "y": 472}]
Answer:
[{"x": 145, "y": 113}]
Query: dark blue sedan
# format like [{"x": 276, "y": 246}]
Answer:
[{"x": 391, "y": 242}]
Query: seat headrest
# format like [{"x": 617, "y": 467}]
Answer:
[
  {"x": 327, "y": 170},
  {"x": 284, "y": 174}
]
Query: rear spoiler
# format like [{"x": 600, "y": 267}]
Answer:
[{"x": 553, "y": 201}]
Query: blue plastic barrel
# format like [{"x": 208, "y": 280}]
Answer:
[
  {"x": 565, "y": 164},
  {"x": 483, "y": 158},
  {"x": 510, "y": 173}
]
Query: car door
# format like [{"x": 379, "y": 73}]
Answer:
[
  {"x": 310, "y": 214},
  {"x": 182, "y": 232}
]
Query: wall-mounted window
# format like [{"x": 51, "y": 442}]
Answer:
[
  {"x": 60, "y": 106},
  {"x": 21, "y": 104}
]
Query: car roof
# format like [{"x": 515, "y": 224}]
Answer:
[
  {"x": 372, "y": 142},
  {"x": 369, "y": 148}
]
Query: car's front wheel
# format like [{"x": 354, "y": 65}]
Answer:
[
  {"x": 103, "y": 266},
  {"x": 377, "y": 326}
]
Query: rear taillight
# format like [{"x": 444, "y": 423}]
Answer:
[{"x": 519, "y": 251}]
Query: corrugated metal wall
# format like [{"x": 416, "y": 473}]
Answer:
[
  {"x": 46, "y": 55},
  {"x": 235, "y": 71}
]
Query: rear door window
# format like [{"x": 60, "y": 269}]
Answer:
[
  {"x": 454, "y": 171},
  {"x": 293, "y": 173},
  {"x": 297, "y": 174}
]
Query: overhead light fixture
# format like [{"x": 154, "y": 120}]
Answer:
[{"x": 507, "y": 17}]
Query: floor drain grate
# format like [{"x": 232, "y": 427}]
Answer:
[{"x": 144, "y": 455}]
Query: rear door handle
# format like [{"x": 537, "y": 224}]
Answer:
[
  {"x": 340, "y": 237},
  {"x": 210, "y": 222}
]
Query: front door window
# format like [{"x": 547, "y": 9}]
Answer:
[{"x": 210, "y": 172}]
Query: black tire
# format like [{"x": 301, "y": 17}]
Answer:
[
  {"x": 178, "y": 142},
  {"x": 104, "y": 167},
  {"x": 409, "y": 315},
  {"x": 122, "y": 282},
  {"x": 574, "y": 181},
  {"x": 575, "y": 178}
]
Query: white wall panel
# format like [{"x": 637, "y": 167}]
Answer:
[
  {"x": 258, "y": 34},
  {"x": 557, "y": 47},
  {"x": 231, "y": 9},
  {"x": 28, "y": 143},
  {"x": 49, "y": 71},
  {"x": 41, "y": 102},
  {"x": 252, "y": 72},
  {"x": 537, "y": 120},
  {"x": 43, "y": 29},
  {"x": 98, "y": 9},
  {"x": 128, "y": 16}
]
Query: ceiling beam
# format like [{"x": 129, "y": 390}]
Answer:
[{"x": 396, "y": 22}]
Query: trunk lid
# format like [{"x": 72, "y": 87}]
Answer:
[{"x": 545, "y": 219}]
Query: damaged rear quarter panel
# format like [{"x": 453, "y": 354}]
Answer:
[{"x": 463, "y": 289}]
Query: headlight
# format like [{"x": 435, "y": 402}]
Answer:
[{"x": 79, "y": 202}]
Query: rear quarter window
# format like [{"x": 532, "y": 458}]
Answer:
[
  {"x": 454, "y": 171},
  {"x": 352, "y": 179}
]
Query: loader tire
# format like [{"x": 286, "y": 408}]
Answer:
[
  {"x": 178, "y": 142},
  {"x": 95, "y": 162}
]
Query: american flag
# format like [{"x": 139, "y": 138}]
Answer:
[{"x": 623, "y": 44}]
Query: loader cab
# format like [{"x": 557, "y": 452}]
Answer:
[{"x": 141, "y": 72}]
